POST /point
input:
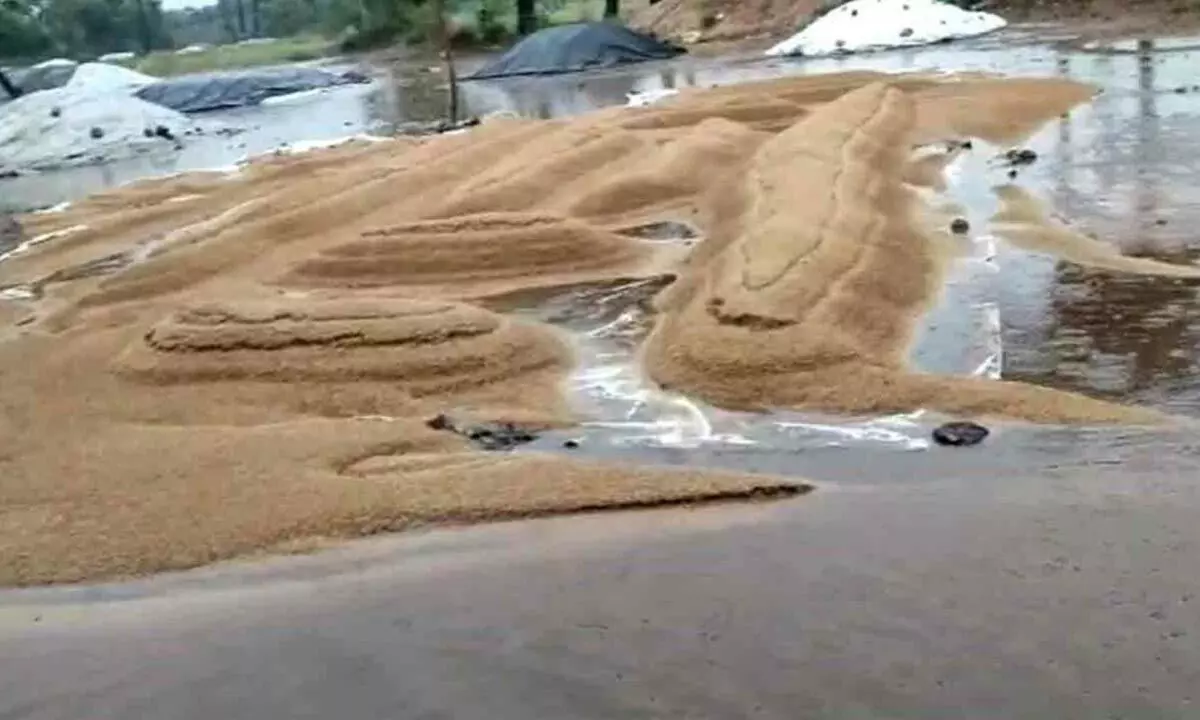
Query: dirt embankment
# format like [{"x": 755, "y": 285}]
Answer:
[
  {"x": 721, "y": 19},
  {"x": 718, "y": 20},
  {"x": 200, "y": 367}
]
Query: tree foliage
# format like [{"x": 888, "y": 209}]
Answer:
[
  {"x": 82, "y": 28},
  {"x": 85, "y": 29}
]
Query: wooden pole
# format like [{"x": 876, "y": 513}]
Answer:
[
  {"x": 526, "y": 17},
  {"x": 443, "y": 41},
  {"x": 13, "y": 91}
]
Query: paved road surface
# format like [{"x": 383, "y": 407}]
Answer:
[{"x": 1072, "y": 594}]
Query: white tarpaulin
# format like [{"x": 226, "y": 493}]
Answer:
[
  {"x": 865, "y": 25},
  {"x": 74, "y": 125}
]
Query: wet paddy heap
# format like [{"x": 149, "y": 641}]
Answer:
[{"x": 204, "y": 366}]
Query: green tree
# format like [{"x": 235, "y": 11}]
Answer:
[
  {"x": 526, "y": 16},
  {"x": 21, "y": 35},
  {"x": 281, "y": 18}
]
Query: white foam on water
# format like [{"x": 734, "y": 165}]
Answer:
[
  {"x": 62, "y": 206},
  {"x": 643, "y": 98},
  {"x": 303, "y": 146},
  {"x": 871, "y": 431},
  {"x": 17, "y": 292},
  {"x": 992, "y": 366},
  {"x": 866, "y": 25},
  {"x": 638, "y": 413},
  {"x": 962, "y": 332}
]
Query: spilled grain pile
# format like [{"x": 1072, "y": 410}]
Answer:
[
  {"x": 811, "y": 304},
  {"x": 200, "y": 367}
]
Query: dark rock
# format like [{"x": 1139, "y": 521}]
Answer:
[
  {"x": 1160, "y": 222},
  {"x": 571, "y": 444},
  {"x": 487, "y": 435},
  {"x": 164, "y": 132},
  {"x": 148, "y": 132},
  {"x": 497, "y": 436},
  {"x": 1012, "y": 174},
  {"x": 55, "y": 112},
  {"x": 959, "y": 434},
  {"x": 96, "y": 133},
  {"x": 906, "y": 32},
  {"x": 436, "y": 127},
  {"x": 9, "y": 174},
  {"x": 1022, "y": 156},
  {"x": 960, "y": 226}
]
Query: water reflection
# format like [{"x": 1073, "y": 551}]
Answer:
[{"x": 1113, "y": 169}]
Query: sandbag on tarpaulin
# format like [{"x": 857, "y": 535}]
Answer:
[
  {"x": 572, "y": 48},
  {"x": 199, "y": 93}
]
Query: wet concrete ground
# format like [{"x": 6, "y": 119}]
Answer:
[
  {"x": 1037, "y": 596},
  {"x": 1051, "y": 572}
]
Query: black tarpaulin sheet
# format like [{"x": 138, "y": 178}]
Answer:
[
  {"x": 200, "y": 93},
  {"x": 573, "y": 48}
]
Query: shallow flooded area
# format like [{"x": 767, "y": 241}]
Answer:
[
  {"x": 265, "y": 359},
  {"x": 1114, "y": 171}
]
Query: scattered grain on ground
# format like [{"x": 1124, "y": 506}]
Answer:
[{"x": 212, "y": 364}]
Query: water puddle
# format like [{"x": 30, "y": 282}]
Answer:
[
  {"x": 628, "y": 418},
  {"x": 628, "y": 414},
  {"x": 1129, "y": 46}
]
